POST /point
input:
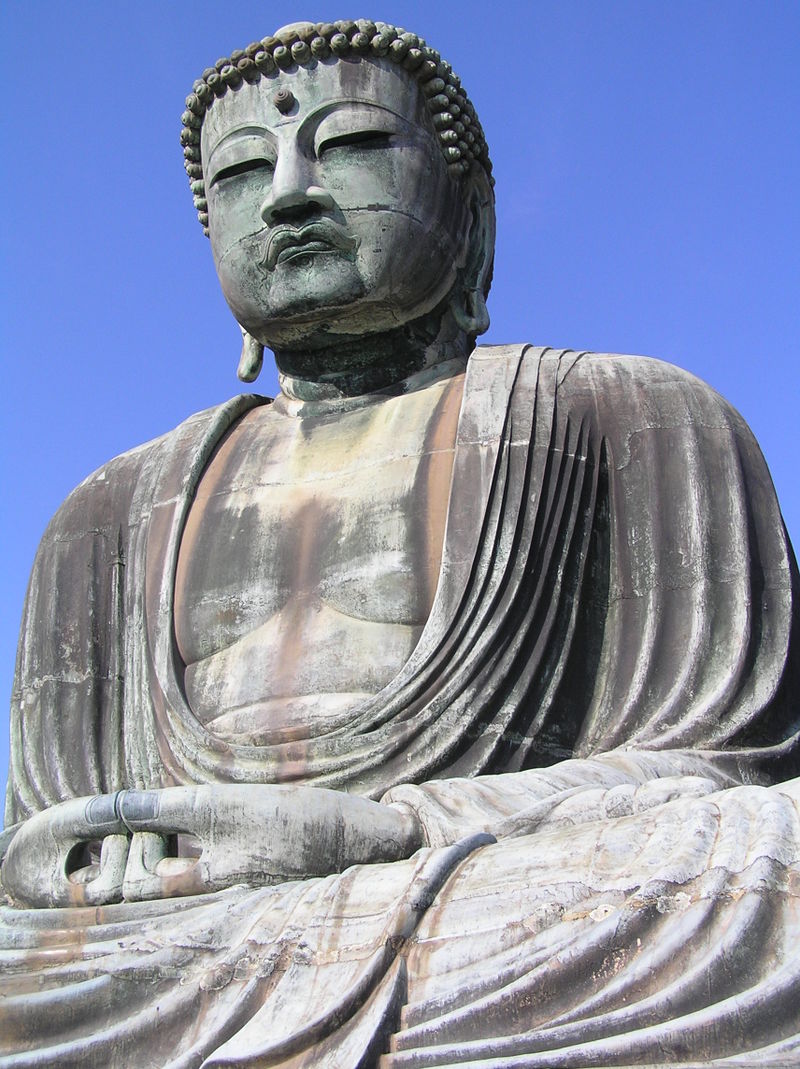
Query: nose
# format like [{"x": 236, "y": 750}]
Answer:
[{"x": 293, "y": 193}]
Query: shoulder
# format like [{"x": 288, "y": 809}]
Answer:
[
  {"x": 620, "y": 374},
  {"x": 629, "y": 390},
  {"x": 102, "y": 501},
  {"x": 625, "y": 373}
]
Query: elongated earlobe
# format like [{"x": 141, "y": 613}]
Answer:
[
  {"x": 251, "y": 359},
  {"x": 471, "y": 313},
  {"x": 468, "y": 303}
]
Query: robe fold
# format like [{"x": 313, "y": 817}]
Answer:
[{"x": 607, "y": 683}]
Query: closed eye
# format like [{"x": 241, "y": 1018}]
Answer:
[
  {"x": 255, "y": 164},
  {"x": 362, "y": 138}
]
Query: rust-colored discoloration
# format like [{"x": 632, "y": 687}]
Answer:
[
  {"x": 433, "y": 480},
  {"x": 309, "y": 562}
]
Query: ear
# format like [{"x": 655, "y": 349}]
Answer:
[
  {"x": 251, "y": 359},
  {"x": 469, "y": 296}
]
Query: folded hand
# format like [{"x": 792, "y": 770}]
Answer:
[{"x": 247, "y": 833}]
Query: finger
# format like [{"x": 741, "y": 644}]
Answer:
[
  {"x": 166, "y": 811},
  {"x": 37, "y": 867},
  {"x": 151, "y": 873}
]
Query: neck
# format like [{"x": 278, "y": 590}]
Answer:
[
  {"x": 370, "y": 364},
  {"x": 296, "y": 399}
]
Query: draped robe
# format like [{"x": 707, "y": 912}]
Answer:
[{"x": 607, "y": 685}]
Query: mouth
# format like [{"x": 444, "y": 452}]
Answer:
[
  {"x": 289, "y": 242},
  {"x": 303, "y": 248}
]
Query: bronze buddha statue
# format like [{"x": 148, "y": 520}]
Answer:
[{"x": 442, "y": 710}]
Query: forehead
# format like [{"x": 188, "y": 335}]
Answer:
[{"x": 318, "y": 88}]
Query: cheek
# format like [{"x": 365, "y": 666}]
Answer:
[
  {"x": 403, "y": 260},
  {"x": 398, "y": 239},
  {"x": 243, "y": 281},
  {"x": 234, "y": 215},
  {"x": 404, "y": 177},
  {"x": 410, "y": 219},
  {"x": 237, "y": 233}
]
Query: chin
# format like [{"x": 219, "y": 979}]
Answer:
[{"x": 309, "y": 287}]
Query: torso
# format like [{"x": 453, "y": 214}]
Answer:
[{"x": 310, "y": 560}]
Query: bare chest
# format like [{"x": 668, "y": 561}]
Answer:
[{"x": 340, "y": 514}]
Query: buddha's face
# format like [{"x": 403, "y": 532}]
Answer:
[{"x": 331, "y": 212}]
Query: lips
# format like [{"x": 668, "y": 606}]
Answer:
[{"x": 323, "y": 235}]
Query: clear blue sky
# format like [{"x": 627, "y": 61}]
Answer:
[{"x": 646, "y": 157}]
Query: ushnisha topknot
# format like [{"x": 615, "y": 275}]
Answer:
[{"x": 302, "y": 44}]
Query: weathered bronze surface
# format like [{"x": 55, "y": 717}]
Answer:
[{"x": 443, "y": 710}]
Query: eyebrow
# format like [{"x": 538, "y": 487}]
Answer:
[
  {"x": 323, "y": 110},
  {"x": 246, "y": 130}
]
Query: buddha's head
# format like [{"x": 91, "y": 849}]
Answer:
[{"x": 342, "y": 176}]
